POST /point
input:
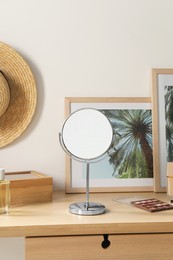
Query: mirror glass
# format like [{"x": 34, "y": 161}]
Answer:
[{"x": 87, "y": 134}]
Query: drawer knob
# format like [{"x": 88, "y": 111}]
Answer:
[{"x": 105, "y": 243}]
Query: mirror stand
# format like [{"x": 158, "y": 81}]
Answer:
[
  {"x": 87, "y": 136},
  {"x": 87, "y": 207}
]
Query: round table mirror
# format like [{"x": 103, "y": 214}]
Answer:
[{"x": 86, "y": 135}]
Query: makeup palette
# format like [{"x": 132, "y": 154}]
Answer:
[{"x": 152, "y": 205}]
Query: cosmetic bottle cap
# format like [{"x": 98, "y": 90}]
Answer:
[{"x": 2, "y": 174}]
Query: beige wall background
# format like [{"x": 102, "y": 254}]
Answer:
[
  {"x": 79, "y": 48},
  {"x": 97, "y": 48}
]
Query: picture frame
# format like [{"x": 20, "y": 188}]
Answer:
[
  {"x": 75, "y": 171},
  {"x": 162, "y": 79}
]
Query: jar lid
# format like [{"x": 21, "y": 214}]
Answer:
[{"x": 2, "y": 174}]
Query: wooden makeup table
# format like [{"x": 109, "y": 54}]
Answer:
[{"x": 53, "y": 233}]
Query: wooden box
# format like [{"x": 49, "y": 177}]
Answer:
[
  {"x": 170, "y": 169},
  {"x": 170, "y": 179},
  {"x": 29, "y": 187},
  {"x": 170, "y": 186}
]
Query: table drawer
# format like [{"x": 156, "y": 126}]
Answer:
[{"x": 122, "y": 247}]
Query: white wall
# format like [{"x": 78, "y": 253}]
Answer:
[
  {"x": 12, "y": 248},
  {"x": 81, "y": 48}
]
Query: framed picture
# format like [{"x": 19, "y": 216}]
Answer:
[
  {"x": 162, "y": 99},
  {"x": 130, "y": 166}
]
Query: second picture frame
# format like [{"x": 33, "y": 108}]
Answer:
[{"x": 130, "y": 166}]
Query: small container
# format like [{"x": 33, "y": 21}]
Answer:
[{"x": 4, "y": 193}]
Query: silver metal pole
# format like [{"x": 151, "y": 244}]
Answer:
[{"x": 87, "y": 186}]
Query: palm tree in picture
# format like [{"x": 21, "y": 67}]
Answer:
[
  {"x": 169, "y": 121},
  {"x": 132, "y": 154}
]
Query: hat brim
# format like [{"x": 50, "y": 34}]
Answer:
[{"x": 23, "y": 95}]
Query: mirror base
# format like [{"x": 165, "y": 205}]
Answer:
[{"x": 80, "y": 208}]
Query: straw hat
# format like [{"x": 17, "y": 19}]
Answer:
[{"x": 18, "y": 95}]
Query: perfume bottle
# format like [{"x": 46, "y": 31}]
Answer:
[{"x": 4, "y": 193}]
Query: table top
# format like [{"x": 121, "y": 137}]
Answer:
[{"x": 53, "y": 218}]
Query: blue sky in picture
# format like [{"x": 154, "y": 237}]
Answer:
[{"x": 99, "y": 170}]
